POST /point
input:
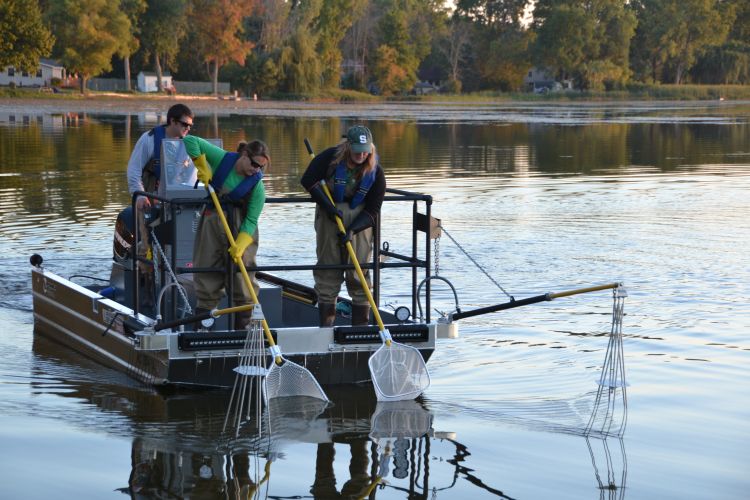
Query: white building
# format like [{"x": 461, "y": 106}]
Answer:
[
  {"x": 42, "y": 77},
  {"x": 541, "y": 80},
  {"x": 147, "y": 81}
]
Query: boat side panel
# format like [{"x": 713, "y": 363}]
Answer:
[{"x": 84, "y": 321}]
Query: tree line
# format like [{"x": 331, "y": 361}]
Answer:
[{"x": 303, "y": 47}]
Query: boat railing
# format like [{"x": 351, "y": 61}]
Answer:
[{"x": 423, "y": 225}]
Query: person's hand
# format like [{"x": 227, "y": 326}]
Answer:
[
  {"x": 204, "y": 169},
  {"x": 142, "y": 203},
  {"x": 322, "y": 199},
  {"x": 345, "y": 238},
  {"x": 243, "y": 241}
]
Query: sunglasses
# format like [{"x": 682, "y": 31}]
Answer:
[
  {"x": 256, "y": 164},
  {"x": 184, "y": 124}
]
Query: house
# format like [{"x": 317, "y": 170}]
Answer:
[
  {"x": 423, "y": 88},
  {"x": 540, "y": 80},
  {"x": 147, "y": 81},
  {"x": 42, "y": 77}
]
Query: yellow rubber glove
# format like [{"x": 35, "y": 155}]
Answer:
[
  {"x": 204, "y": 169},
  {"x": 243, "y": 241}
]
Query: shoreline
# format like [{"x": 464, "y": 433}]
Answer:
[{"x": 120, "y": 104}]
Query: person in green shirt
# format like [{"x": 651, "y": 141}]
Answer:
[{"x": 236, "y": 177}]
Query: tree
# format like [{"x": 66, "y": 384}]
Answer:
[
  {"x": 297, "y": 62},
  {"x": 672, "y": 34},
  {"x": 133, "y": 9},
  {"x": 507, "y": 60},
  {"x": 23, "y": 36},
  {"x": 728, "y": 63},
  {"x": 335, "y": 19},
  {"x": 89, "y": 33},
  {"x": 163, "y": 27},
  {"x": 221, "y": 35},
  {"x": 405, "y": 35},
  {"x": 358, "y": 43},
  {"x": 493, "y": 13},
  {"x": 454, "y": 48},
  {"x": 500, "y": 42},
  {"x": 587, "y": 39}
]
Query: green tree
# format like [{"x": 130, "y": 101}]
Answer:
[
  {"x": 133, "y": 9},
  {"x": 507, "y": 60},
  {"x": 359, "y": 44},
  {"x": 500, "y": 42},
  {"x": 335, "y": 19},
  {"x": 23, "y": 36},
  {"x": 392, "y": 77},
  {"x": 163, "y": 28},
  {"x": 586, "y": 39},
  {"x": 405, "y": 36},
  {"x": 728, "y": 63},
  {"x": 298, "y": 63},
  {"x": 221, "y": 38},
  {"x": 89, "y": 33},
  {"x": 493, "y": 13},
  {"x": 672, "y": 34}
]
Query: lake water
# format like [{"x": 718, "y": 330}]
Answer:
[{"x": 543, "y": 197}]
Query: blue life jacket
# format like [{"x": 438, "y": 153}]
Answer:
[
  {"x": 159, "y": 133},
  {"x": 339, "y": 185},
  {"x": 222, "y": 172}
]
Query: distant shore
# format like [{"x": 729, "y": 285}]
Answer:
[{"x": 212, "y": 105}]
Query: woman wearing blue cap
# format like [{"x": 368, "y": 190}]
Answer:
[{"x": 357, "y": 183}]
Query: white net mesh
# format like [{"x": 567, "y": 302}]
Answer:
[
  {"x": 291, "y": 379},
  {"x": 398, "y": 372}
]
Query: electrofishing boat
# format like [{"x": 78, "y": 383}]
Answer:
[{"x": 140, "y": 318}]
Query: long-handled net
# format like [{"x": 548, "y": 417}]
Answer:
[{"x": 609, "y": 416}]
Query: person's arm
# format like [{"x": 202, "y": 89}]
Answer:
[
  {"x": 317, "y": 169},
  {"x": 196, "y": 146},
  {"x": 375, "y": 195},
  {"x": 141, "y": 155},
  {"x": 254, "y": 208}
]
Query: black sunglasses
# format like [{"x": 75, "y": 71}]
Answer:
[
  {"x": 185, "y": 124},
  {"x": 256, "y": 164}
]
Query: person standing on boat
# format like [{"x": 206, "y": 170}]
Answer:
[
  {"x": 144, "y": 166},
  {"x": 144, "y": 169},
  {"x": 236, "y": 177},
  {"x": 356, "y": 180}
]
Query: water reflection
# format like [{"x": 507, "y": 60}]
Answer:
[
  {"x": 69, "y": 163},
  {"x": 360, "y": 445}
]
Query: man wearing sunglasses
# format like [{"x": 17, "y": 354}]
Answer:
[{"x": 144, "y": 167}]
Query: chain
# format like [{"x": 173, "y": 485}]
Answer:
[
  {"x": 471, "y": 259},
  {"x": 437, "y": 255},
  {"x": 163, "y": 257}
]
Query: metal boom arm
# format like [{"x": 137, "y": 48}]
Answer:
[{"x": 531, "y": 300}]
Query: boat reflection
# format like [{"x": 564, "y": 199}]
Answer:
[{"x": 362, "y": 447}]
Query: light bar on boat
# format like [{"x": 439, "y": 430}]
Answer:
[{"x": 371, "y": 334}]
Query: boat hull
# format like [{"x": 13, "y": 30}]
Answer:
[{"x": 115, "y": 336}]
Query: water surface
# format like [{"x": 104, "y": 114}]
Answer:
[{"x": 542, "y": 197}]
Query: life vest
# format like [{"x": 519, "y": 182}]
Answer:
[
  {"x": 222, "y": 172},
  {"x": 339, "y": 185},
  {"x": 154, "y": 164}
]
